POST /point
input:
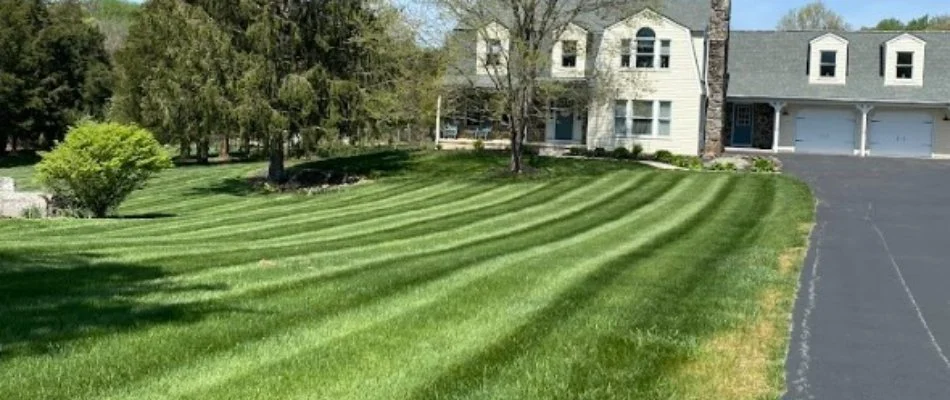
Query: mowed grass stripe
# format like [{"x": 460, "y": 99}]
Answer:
[
  {"x": 314, "y": 302},
  {"x": 255, "y": 278},
  {"x": 120, "y": 229},
  {"x": 308, "y": 337},
  {"x": 516, "y": 296},
  {"x": 432, "y": 240}
]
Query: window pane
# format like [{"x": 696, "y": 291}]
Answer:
[
  {"x": 569, "y": 47},
  {"x": 829, "y": 57},
  {"x": 569, "y": 61},
  {"x": 625, "y": 46},
  {"x": 643, "y": 109},
  {"x": 828, "y": 71},
  {"x": 645, "y": 61},
  {"x": 646, "y": 33},
  {"x": 666, "y": 110},
  {"x": 663, "y": 128},
  {"x": 905, "y": 72},
  {"x": 905, "y": 58},
  {"x": 620, "y": 126},
  {"x": 665, "y": 47},
  {"x": 645, "y": 47},
  {"x": 620, "y": 109},
  {"x": 625, "y": 60},
  {"x": 643, "y": 126}
]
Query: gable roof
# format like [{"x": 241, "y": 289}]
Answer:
[{"x": 774, "y": 65}]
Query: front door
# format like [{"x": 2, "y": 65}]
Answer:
[
  {"x": 742, "y": 125},
  {"x": 564, "y": 129}
]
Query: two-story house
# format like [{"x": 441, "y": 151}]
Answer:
[
  {"x": 648, "y": 69},
  {"x": 861, "y": 93}
]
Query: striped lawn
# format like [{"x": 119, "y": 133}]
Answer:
[{"x": 439, "y": 280}]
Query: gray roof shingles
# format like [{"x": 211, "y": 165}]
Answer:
[{"x": 773, "y": 65}]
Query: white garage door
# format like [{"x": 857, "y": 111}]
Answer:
[
  {"x": 901, "y": 134},
  {"x": 825, "y": 131}
]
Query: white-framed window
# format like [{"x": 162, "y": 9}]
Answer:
[
  {"x": 905, "y": 65},
  {"x": 625, "y": 52},
  {"x": 493, "y": 57},
  {"x": 569, "y": 53},
  {"x": 643, "y": 118},
  {"x": 646, "y": 48},
  {"x": 620, "y": 118},
  {"x": 665, "y": 54},
  {"x": 829, "y": 63}
]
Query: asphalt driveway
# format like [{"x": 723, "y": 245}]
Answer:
[{"x": 872, "y": 320}]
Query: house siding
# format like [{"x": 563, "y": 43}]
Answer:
[{"x": 680, "y": 84}]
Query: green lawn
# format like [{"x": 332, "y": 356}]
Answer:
[{"x": 438, "y": 280}]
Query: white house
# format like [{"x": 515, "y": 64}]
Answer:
[{"x": 860, "y": 93}]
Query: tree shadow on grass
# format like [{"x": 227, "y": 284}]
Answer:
[
  {"x": 21, "y": 159},
  {"x": 152, "y": 215},
  {"x": 370, "y": 165},
  {"x": 47, "y": 300}
]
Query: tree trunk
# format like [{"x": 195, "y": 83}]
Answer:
[
  {"x": 717, "y": 78},
  {"x": 224, "y": 154},
  {"x": 184, "y": 150},
  {"x": 14, "y": 144},
  {"x": 3, "y": 143},
  {"x": 275, "y": 169},
  {"x": 204, "y": 148}
]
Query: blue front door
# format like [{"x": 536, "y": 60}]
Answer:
[
  {"x": 564, "y": 129},
  {"x": 742, "y": 125}
]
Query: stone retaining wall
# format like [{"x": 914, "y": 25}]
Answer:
[{"x": 14, "y": 204}]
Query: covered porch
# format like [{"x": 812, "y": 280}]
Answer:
[{"x": 558, "y": 124}]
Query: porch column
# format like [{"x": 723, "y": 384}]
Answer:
[
  {"x": 865, "y": 110},
  {"x": 778, "y": 106},
  {"x": 438, "y": 120}
]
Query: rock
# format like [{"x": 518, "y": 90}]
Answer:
[
  {"x": 7, "y": 185},
  {"x": 15, "y": 205}
]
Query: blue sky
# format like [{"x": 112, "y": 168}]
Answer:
[{"x": 764, "y": 14}]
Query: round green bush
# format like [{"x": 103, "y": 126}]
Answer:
[
  {"x": 664, "y": 156},
  {"x": 621, "y": 153},
  {"x": 100, "y": 164}
]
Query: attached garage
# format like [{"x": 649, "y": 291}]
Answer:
[
  {"x": 901, "y": 134},
  {"x": 825, "y": 131}
]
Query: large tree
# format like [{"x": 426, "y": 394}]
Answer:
[
  {"x": 815, "y": 16},
  {"x": 530, "y": 26},
  {"x": 178, "y": 76},
  {"x": 53, "y": 71},
  {"x": 717, "y": 77},
  {"x": 924, "y": 23}
]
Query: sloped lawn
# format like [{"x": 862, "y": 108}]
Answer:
[{"x": 438, "y": 280}]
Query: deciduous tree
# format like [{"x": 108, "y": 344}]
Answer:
[{"x": 815, "y": 16}]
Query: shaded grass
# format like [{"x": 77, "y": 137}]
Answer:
[{"x": 439, "y": 280}]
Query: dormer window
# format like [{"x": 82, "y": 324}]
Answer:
[
  {"x": 493, "y": 57},
  {"x": 829, "y": 63},
  {"x": 828, "y": 60},
  {"x": 905, "y": 65},
  {"x": 646, "y": 48},
  {"x": 569, "y": 53}
]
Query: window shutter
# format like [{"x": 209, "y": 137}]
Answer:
[
  {"x": 808, "y": 62},
  {"x": 883, "y": 57}
]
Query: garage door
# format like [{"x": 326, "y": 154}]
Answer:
[
  {"x": 825, "y": 131},
  {"x": 901, "y": 134}
]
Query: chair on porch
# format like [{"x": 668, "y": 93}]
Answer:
[
  {"x": 450, "y": 131},
  {"x": 483, "y": 131}
]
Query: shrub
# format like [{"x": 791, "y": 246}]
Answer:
[
  {"x": 530, "y": 150},
  {"x": 637, "y": 152},
  {"x": 664, "y": 156},
  {"x": 99, "y": 165},
  {"x": 33, "y": 212},
  {"x": 600, "y": 152},
  {"x": 479, "y": 146},
  {"x": 760, "y": 164},
  {"x": 689, "y": 162},
  {"x": 727, "y": 166},
  {"x": 621, "y": 153},
  {"x": 577, "y": 151}
]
